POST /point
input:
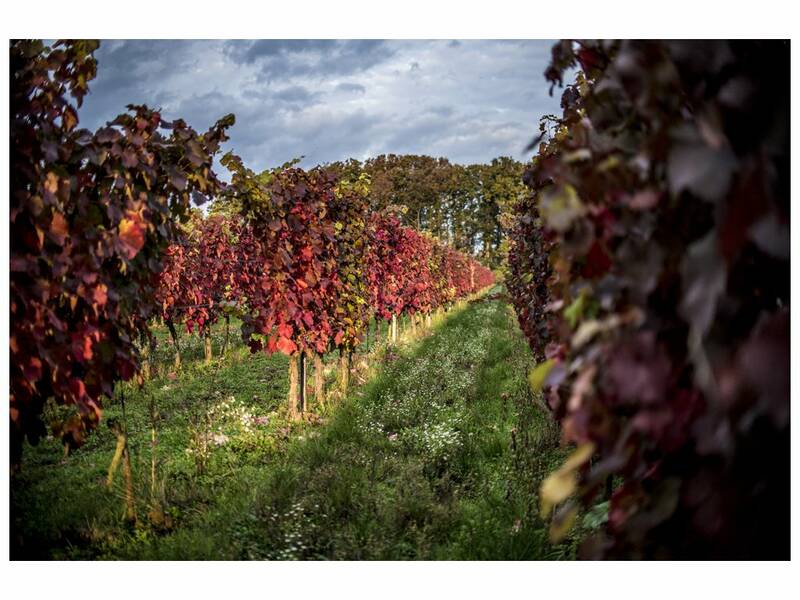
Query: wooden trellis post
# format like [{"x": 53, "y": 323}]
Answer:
[
  {"x": 319, "y": 380},
  {"x": 174, "y": 334},
  {"x": 294, "y": 376},
  {"x": 344, "y": 371},
  {"x": 301, "y": 400},
  {"x": 207, "y": 344}
]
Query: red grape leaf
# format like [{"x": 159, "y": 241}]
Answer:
[{"x": 286, "y": 345}]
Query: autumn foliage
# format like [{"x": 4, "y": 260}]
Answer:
[
  {"x": 292, "y": 303},
  {"x": 91, "y": 214},
  {"x": 326, "y": 265},
  {"x": 348, "y": 208},
  {"x": 385, "y": 265},
  {"x": 104, "y": 239},
  {"x": 410, "y": 272},
  {"x": 208, "y": 272},
  {"x": 650, "y": 271}
]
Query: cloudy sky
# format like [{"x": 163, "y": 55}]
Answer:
[{"x": 468, "y": 100}]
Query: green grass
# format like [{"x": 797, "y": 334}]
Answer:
[{"x": 438, "y": 455}]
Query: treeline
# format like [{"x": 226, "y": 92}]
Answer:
[
  {"x": 649, "y": 268},
  {"x": 304, "y": 258}
]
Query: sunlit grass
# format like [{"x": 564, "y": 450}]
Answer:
[{"x": 417, "y": 463}]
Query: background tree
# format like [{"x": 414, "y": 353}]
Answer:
[
  {"x": 501, "y": 187},
  {"x": 458, "y": 204}
]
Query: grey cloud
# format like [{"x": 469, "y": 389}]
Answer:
[
  {"x": 290, "y": 58},
  {"x": 202, "y": 110},
  {"x": 320, "y": 139},
  {"x": 295, "y": 97},
  {"x": 355, "y": 88},
  {"x": 470, "y": 101},
  {"x": 295, "y": 93},
  {"x": 441, "y": 111},
  {"x": 135, "y": 72},
  {"x": 250, "y": 51}
]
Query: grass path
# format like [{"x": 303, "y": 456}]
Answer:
[{"x": 437, "y": 456}]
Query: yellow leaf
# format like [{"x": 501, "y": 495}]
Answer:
[
  {"x": 560, "y": 207},
  {"x": 556, "y": 488},
  {"x": 131, "y": 235},
  {"x": 578, "y": 155},
  {"x": 574, "y": 311},
  {"x": 581, "y": 455},
  {"x": 539, "y": 373},
  {"x": 562, "y": 523},
  {"x": 586, "y": 331},
  {"x": 611, "y": 162},
  {"x": 562, "y": 483}
]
